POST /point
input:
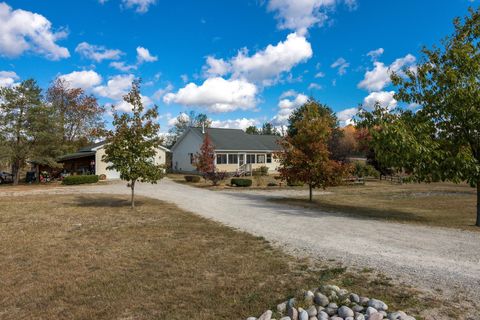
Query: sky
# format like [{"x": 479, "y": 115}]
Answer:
[{"x": 242, "y": 62}]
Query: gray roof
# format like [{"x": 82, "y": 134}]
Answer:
[
  {"x": 238, "y": 140},
  {"x": 76, "y": 155}
]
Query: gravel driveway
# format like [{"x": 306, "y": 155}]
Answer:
[{"x": 427, "y": 257}]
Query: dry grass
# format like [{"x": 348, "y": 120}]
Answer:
[
  {"x": 258, "y": 182},
  {"x": 91, "y": 257},
  {"x": 436, "y": 204}
]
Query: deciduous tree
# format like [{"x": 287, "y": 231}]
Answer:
[
  {"x": 205, "y": 159},
  {"x": 132, "y": 146}
]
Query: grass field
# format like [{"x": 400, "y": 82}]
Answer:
[
  {"x": 91, "y": 257},
  {"x": 437, "y": 204}
]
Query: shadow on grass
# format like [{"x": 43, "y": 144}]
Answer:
[{"x": 95, "y": 202}]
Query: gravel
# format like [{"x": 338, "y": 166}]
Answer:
[{"x": 427, "y": 257}]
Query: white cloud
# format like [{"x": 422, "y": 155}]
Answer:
[
  {"x": 184, "y": 78},
  {"x": 124, "y": 106},
  {"x": 269, "y": 63},
  {"x": 242, "y": 123},
  {"x": 121, "y": 66},
  {"x": 140, "y": 6},
  {"x": 385, "y": 98},
  {"x": 299, "y": 15},
  {"x": 216, "y": 94},
  {"x": 97, "y": 53},
  {"x": 82, "y": 79},
  {"x": 374, "y": 54},
  {"x": 161, "y": 92},
  {"x": 8, "y": 78},
  {"x": 345, "y": 116},
  {"x": 289, "y": 101},
  {"x": 117, "y": 86},
  {"x": 379, "y": 77},
  {"x": 183, "y": 116},
  {"x": 320, "y": 75},
  {"x": 314, "y": 86},
  {"x": 342, "y": 65},
  {"x": 216, "y": 67},
  {"x": 143, "y": 55},
  {"x": 24, "y": 31}
]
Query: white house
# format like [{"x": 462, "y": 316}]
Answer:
[
  {"x": 89, "y": 161},
  {"x": 235, "y": 150}
]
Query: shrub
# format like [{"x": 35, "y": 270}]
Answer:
[
  {"x": 272, "y": 184},
  {"x": 262, "y": 171},
  {"x": 71, "y": 180},
  {"x": 239, "y": 182},
  {"x": 361, "y": 169},
  {"x": 192, "y": 178},
  {"x": 216, "y": 177}
]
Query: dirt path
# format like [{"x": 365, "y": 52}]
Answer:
[{"x": 426, "y": 257}]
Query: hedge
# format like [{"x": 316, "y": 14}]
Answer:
[
  {"x": 192, "y": 178},
  {"x": 241, "y": 182},
  {"x": 71, "y": 180}
]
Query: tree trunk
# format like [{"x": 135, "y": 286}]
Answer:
[
  {"x": 310, "y": 192},
  {"x": 132, "y": 187},
  {"x": 16, "y": 172},
  {"x": 478, "y": 204}
]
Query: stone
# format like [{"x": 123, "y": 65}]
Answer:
[
  {"x": 397, "y": 315},
  {"x": 322, "y": 315},
  {"x": 384, "y": 314},
  {"x": 332, "y": 305},
  {"x": 375, "y": 316},
  {"x": 285, "y": 318},
  {"x": 292, "y": 313},
  {"x": 357, "y": 308},
  {"x": 251, "y": 318},
  {"x": 336, "y": 318},
  {"x": 282, "y": 307},
  {"x": 345, "y": 312},
  {"x": 364, "y": 301},
  {"x": 308, "y": 295},
  {"x": 349, "y": 318},
  {"x": 371, "y": 310},
  {"x": 266, "y": 316},
  {"x": 302, "y": 314},
  {"x": 312, "y": 318},
  {"x": 354, "y": 298},
  {"x": 312, "y": 311},
  {"x": 290, "y": 303},
  {"x": 321, "y": 299},
  {"x": 343, "y": 293},
  {"x": 345, "y": 302},
  {"x": 330, "y": 311},
  {"x": 377, "y": 304},
  {"x": 359, "y": 317}
]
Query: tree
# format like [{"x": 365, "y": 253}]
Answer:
[
  {"x": 205, "y": 159},
  {"x": 441, "y": 141},
  {"x": 267, "y": 129},
  {"x": 79, "y": 116},
  {"x": 17, "y": 104},
  {"x": 185, "y": 121},
  {"x": 131, "y": 146},
  {"x": 252, "y": 130},
  {"x": 305, "y": 156}
]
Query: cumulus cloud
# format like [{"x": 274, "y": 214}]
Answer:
[
  {"x": 82, "y": 79},
  {"x": 320, "y": 75},
  {"x": 161, "y": 92},
  {"x": 144, "y": 55},
  {"x": 97, "y": 53},
  {"x": 289, "y": 101},
  {"x": 122, "y": 66},
  {"x": 216, "y": 94},
  {"x": 269, "y": 63},
  {"x": 341, "y": 64},
  {"x": 8, "y": 78},
  {"x": 216, "y": 67},
  {"x": 384, "y": 98},
  {"x": 124, "y": 106},
  {"x": 345, "y": 116},
  {"x": 314, "y": 86},
  {"x": 116, "y": 87},
  {"x": 182, "y": 116},
  {"x": 374, "y": 54},
  {"x": 24, "y": 31},
  {"x": 241, "y": 123},
  {"x": 140, "y": 6},
  {"x": 379, "y": 77}
]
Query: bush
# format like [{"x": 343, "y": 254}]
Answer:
[
  {"x": 239, "y": 182},
  {"x": 272, "y": 184},
  {"x": 216, "y": 177},
  {"x": 361, "y": 169},
  {"x": 71, "y": 180},
  {"x": 192, "y": 178},
  {"x": 262, "y": 171}
]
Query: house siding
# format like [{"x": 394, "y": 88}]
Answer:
[{"x": 190, "y": 144}]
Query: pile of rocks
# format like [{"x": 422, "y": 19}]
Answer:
[{"x": 332, "y": 303}]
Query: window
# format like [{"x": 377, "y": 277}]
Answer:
[
  {"x": 250, "y": 158},
  {"x": 269, "y": 158},
  {"x": 221, "y": 159},
  {"x": 233, "y": 158},
  {"x": 192, "y": 159},
  {"x": 260, "y": 158}
]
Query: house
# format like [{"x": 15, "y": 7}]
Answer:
[
  {"x": 88, "y": 160},
  {"x": 235, "y": 150}
]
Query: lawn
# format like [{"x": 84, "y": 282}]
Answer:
[
  {"x": 91, "y": 257},
  {"x": 436, "y": 204}
]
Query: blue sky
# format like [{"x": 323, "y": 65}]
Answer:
[{"x": 240, "y": 62}]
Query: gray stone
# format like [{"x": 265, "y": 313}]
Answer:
[
  {"x": 378, "y": 304},
  {"x": 331, "y": 311},
  {"x": 359, "y": 317},
  {"x": 357, "y": 308},
  {"x": 336, "y": 318},
  {"x": 397, "y": 315},
  {"x": 332, "y": 305},
  {"x": 302, "y": 314},
  {"x": 354, "y": 298},
  {"x": 345, "y": 312},
  {"x": 292, "y": 313},
  {"x": 282, "y": 307},
  {"x": 308, "y": 295},
  {"x": 285, "y": 318},
  {"x": 349, "y": 318},
  {"x": 364, "y": 301},
  {"x": 322, "y": 315},
  {"x": 251, "y": 318},
  {"x": 290, "y": 303},
  {"x": 371, "y": 310},
  {"x": 266, "y": 316},
  {"x": 312, "y": 311},
  {"x": 312, "y": 318},
  {"x": 375, "y": 316},
  {"x": 383, "y": 313},
  {"x": 321, "y": 299}
]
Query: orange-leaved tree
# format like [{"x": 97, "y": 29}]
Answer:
[
  {"x": 205, "y": 159},
  {"x": 305, "y": 156}
]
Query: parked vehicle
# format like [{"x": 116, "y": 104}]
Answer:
[{"x": 5, "y": 177}]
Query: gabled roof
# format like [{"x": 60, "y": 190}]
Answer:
[{"x": 237, "y": 140}]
